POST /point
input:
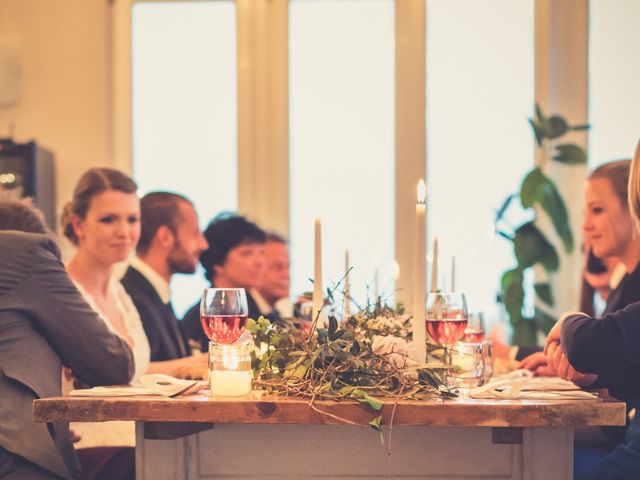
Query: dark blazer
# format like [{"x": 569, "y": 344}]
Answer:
[
  {"x": 626, "y": 293},
  {"x": 193, "y": 329},
  {"x": 45, "y": 324},
  {"x": 158, "y": 319}
]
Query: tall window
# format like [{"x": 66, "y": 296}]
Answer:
[
  {"x": 342, "y": 140},
  {"x": 614, "y": 79},
  {"x": 184, "y": 109},
  {"x": 480, "y": 73}
]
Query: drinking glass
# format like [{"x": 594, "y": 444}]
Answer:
[
  {"x": 447, "y": 318},
  {"x": 468, "y": 359},
  {"x": 223, "y": 314},
  {"x": 474, "y": 333}
]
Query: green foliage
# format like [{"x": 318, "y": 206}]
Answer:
[
  {"x": 339, "y": 362},
  {"x": 531, "y": 247}
]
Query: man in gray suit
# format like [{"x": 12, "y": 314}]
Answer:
[{"x": 44, "y": 324}]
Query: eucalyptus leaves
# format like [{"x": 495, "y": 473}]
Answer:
[
  {"x": 531, "y": 247},
  {"x": 341, "y": 362}
]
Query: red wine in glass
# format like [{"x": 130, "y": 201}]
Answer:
[
  {"x": 446, "y": 332},
  {"x": 223, "y": 314},
  {"x": 473, "y": 335},
  {"x": 223, "y": 329}
]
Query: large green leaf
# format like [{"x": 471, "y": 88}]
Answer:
[
  {"x": 539, "y": 115},
  {"x": 543, "y": 320},
  {"x": 537, "y": 131},
  {"x": 525, "y": 333},
  {"x": 510, "y": 276},
  {"x": 531, "y": 247},
  {"x": 532, "y": 188},
  {"x": 543, "y": 291},
  {"x": 570, "y": 154},
  {"x": 503, "y": 208},
  {"x": 513, "y": 294},
  {"x": 537, "y": 188},
  {"x": 580, "y": 127},
  {"x": 552, "y": 203},
  {"x": 555, "y": 127}
]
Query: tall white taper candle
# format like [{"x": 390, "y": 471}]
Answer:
[
  {"x": 419, "y": 349},
  {"x": 434, "y": 267},
  {"x": 453, "y": 274},
  {"x": 318, "y": 299}
]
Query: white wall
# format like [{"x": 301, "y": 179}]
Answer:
[{"x": 65, "y": 100}]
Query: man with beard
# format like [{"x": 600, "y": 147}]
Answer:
[{"x": 170, "y": 242}]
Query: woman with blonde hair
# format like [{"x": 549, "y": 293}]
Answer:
[{"x": 605, "y": 352}]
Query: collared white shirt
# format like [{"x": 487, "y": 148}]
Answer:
[{"x": 159, "y": 284}]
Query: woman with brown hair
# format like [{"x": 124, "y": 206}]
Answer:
[{"x": 103, "y": 222}]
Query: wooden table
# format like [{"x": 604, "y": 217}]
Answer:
[{"x": 272, "y": 437}]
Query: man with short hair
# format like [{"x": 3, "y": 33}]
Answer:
[
  {"x": 272, "y": 292},
  {"x": 170, "y": 242}
]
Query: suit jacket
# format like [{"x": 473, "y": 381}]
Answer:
[
  {"x": 193, "y": 329},
  {"x": 626, "y": 293},
  {"x": 158, "y": 319},
  {"x": 45, "y": 324}
]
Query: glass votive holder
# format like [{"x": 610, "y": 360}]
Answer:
[
  {"x": 467, "y": 360},
  {"x": 230, "y": 372}
]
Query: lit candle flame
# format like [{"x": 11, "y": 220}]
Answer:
[{"x": 422, "y": 191}]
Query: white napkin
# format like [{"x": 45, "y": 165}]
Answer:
[
  {"x": 521, "y": 384},
  {"x": 153, "y": 384}
]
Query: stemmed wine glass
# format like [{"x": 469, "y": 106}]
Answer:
[
  {"x": 474, "y": 333},
  {"x": 223, "y": 314},
  {"x": 447, "y": 318}
]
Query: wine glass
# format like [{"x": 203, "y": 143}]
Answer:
[
  {"x": 447, "y": 318},
  {"x": 474, "y": 333},
  {"x": 223, "y": 314}
]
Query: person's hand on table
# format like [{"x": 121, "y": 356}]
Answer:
[
  {"x": 559, "y": 362},
  {"x": 75, "y": 381},
  {"x": 195, "y": 367},
  {"x": 554, "y": 335},
  {"x": 537, "y": 363}
]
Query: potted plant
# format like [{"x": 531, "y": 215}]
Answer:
[{"x": 539, "y": 194}]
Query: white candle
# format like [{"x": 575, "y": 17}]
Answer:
[
  {"x": 453, "y": 274},
  {"x": 347, "y": 307},
  {"x": 376, "y": 286},
  {"x": 434, "y": 267},
  {"x": 318, "y": 299},
  {"x": 419, "y": 288},
  {"x": 230, "y": 383}
]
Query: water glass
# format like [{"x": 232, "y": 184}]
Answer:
[{"x": 467, "y": 360}]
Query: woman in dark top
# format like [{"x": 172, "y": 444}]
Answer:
[
  {"x": 605, "y": 352},
  {"x": 608, "y": 231}
]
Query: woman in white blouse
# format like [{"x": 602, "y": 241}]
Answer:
[{"x": 103, "y": 221}]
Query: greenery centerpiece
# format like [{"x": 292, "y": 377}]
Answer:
[{"x": 365, "y": 358}]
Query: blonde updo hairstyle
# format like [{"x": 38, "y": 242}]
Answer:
[
  {"x": 634, "y": 188},
  {"x": 92, "y": 183}
]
